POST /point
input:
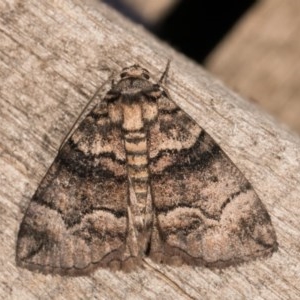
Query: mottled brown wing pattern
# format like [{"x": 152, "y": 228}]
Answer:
[
  {"x": 140, "y": 178},
  {"x": 77, "y": 219},
  {"x": 207, "y": 213}
]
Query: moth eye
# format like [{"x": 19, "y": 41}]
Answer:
[
  {"x": 123, "y": 75},
  {"x": 146, "y": 76}
]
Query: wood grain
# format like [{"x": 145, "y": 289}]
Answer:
[{"x": 54, "y": 55}]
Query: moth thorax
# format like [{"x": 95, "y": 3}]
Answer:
[
  {"x": 150, "y": 111},
  {"x": 133, "y": 116}
]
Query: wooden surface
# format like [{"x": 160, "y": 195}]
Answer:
[
  {"x": 260, "y": 58},
  {"x": 54, "y": 55}
]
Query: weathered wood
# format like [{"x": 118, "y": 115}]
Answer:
[
  {"x": 260, "y": 58},
  {"x": 54, "y": 55}
]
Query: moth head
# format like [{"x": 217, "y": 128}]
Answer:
[{"x": 135, "y": 71}]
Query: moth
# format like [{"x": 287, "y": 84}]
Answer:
[{"x": 139, "y": 178}]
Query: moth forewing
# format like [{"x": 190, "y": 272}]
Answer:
[{"x": 138, "y": 178}]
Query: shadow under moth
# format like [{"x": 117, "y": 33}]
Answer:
[{"x": 139, "y": 178}]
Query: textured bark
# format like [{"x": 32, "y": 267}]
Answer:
[{"x": 54, "y": 55}]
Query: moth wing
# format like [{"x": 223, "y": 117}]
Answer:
[
  {"x": 77, "y": 218},
  {"x": 206, "y": 212}
]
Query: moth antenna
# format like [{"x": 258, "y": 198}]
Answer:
[
  {"x": 165, "y": 73},
  {"x": 83, "y": 111}
]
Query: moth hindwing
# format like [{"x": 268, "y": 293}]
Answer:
[{"x": 140, "y": 178}]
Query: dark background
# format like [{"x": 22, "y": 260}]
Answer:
[{"x": 194, "y": 27}]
